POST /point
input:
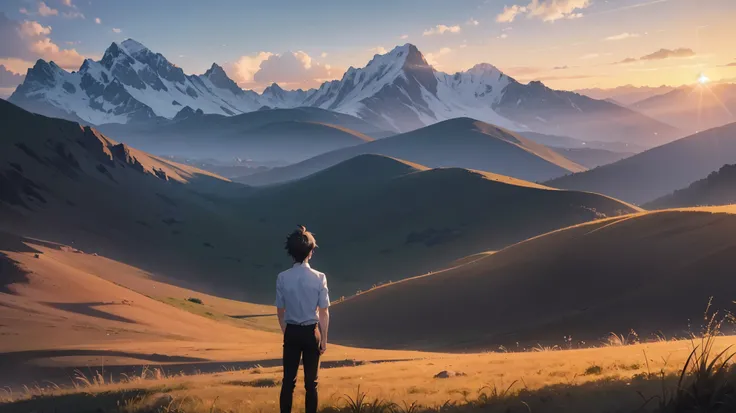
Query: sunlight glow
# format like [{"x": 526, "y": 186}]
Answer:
[{"x": 703, "y": 79}]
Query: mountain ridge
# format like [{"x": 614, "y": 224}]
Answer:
[{"x": 396, "y": 91}]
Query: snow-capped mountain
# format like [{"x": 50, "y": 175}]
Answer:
[
  {"x": 130, "y": 83},
  {"x": 396, "y": 91}
]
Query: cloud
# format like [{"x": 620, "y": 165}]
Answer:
[
  {"x": 662, "y": 54},
  {"x": 441, "y": 29},
  {"x": 97, "y": 20},
  {"x": 323, "y": 55},
  {"x": 502, "y": 36},
  {"x": 622, "y": 36},
  {"x": 9, "y": 79},
  {"x": 730, "y": 64},
  {"x": 590, "y": 56},
  {"x": 294, "y": 69},
  {"x": 472, "y": 22},
  {"x": 25, "y": 11},
  {"x": 45, "y": 10},
  {"x": 432, "y": 57},
  {"x": 68, "y": 3},
  {"x": 404, "y": 36},
  {"x": 116, "y": 30},
  {"x": 561, "y": 67},
  {"x": 627, "y": 61},
  {"x": 33, "y": 29},
  {"x": 378, "y": 50},
  {"x": 545, "y": 10},
  {"x": 290, "y": 70},
  {"x": 73, "y": 15},
  {"x": 509, "y": 13},
  {"x": 246, "y": 67},
  {"x": 27, "y": 41}
]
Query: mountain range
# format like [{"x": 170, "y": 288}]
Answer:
[
  {"x": 625, "y": 95},
  {"x": 693, "y": 108},
  {"x": 67, "y": 183},
  {"x": 398, "y": 91},
  {"x": 659, "y": 171},
  {"x": 460, "y": 142}
]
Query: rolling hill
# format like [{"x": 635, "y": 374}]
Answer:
[
  {"x": 659, "y": 171},
  {"x": 284, "y": 135},
  {"x": 590, "y": 157},
  {"x": 718, "y": 188},
  {"x": 650, "y": 272},
  {"x": 69, "y": 184},
  {"x": 461, "y": 142}
]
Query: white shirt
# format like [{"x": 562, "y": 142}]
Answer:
[{"x": 302, "y": 291}]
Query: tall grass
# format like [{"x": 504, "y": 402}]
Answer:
[{"x": 707, "y": 381}]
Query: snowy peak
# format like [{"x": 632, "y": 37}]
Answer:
[
  {"x": 216, "y": 74},
  {"x": 134, "y": 47},
  {"x": 42, "y": 73}
]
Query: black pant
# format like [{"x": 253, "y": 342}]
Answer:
[{"x": 300, "y": 342}]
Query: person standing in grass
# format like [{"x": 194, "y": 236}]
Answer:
[{"x": 302, "y": 303}]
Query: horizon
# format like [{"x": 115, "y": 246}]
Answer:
[{"x": 567, "y": 44}]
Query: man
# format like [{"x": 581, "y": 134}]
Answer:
[{"x": 302, "y": 303}]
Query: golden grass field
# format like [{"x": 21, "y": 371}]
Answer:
[{"x": 83, "y": 333}]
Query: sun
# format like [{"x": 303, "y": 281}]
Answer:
[{"x": 703, "y": 79}]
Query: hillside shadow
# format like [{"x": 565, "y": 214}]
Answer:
[{"x": 89, "y": 310}]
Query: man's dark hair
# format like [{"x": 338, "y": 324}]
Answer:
[{"x": 300, "y": 244}]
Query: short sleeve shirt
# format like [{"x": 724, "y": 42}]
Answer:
[{"x": 302, "y": 290}]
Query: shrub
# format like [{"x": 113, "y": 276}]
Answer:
[{"x": 194, "y": 300}]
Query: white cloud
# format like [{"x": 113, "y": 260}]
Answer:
[
  {"x": 66, "y": 58},
  {"x": 24, "y": 42},
  {"x": 68, "y": 3},
  {"x": 116, "y": 30},
  {"x": 433, "y": 57},
  {"x": 442, "y": 29},
  {"x": 472, "y": 22},
  {"x": 622, "y": 36},
  {"x": 509, "y": 13},
  {"x": 45, "y": 10},
  {"x": 378, "y": 50},
  {"x": 34, "y": 29},
  {"x": 323, "y": 55},
  {"x": 25, "y": 11},
  {"x": 292, "y": 70},
  {"x": 247, "y": 66},
  {"x": 503, "y": 36},
  {"x": 97, "y": 20},
  {"x": 545, "y": 10},
  {"x": 404, "y": 36}
]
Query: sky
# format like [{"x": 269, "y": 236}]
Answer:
[{"x": 567, "y": 44}]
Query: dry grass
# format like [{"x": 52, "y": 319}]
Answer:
[{"x": 624, "y": 378}]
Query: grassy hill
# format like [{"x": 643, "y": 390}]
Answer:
[
  {"x": 70, "y": 184},
  {"x": 461, "y": 142},
  {"x": 659, "y": 171},
  {"x": 651, "y": 272},
  {"x": 718, "y": 188}
]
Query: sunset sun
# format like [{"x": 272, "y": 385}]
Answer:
[{"x": 703, "y": 79}]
